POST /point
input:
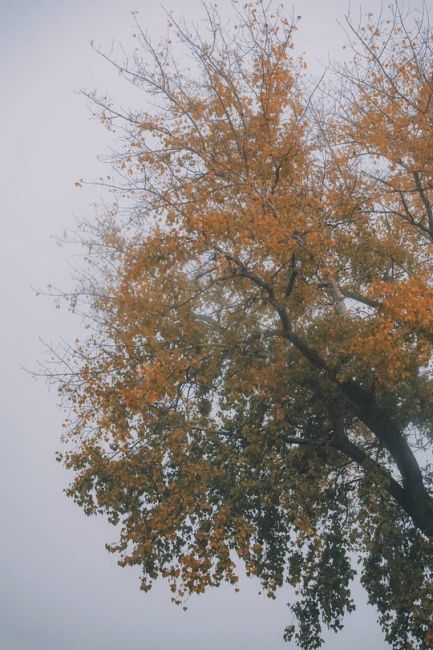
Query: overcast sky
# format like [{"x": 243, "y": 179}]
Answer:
[{"x": 59, "y": 588}]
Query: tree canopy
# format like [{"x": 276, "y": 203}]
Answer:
[{"x": 255, "y": 387}]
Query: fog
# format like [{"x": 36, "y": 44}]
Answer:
[{"x": 59, "y": 588}]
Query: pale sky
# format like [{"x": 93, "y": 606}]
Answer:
[{"x": 59, "y": 588}]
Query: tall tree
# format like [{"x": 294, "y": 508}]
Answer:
[{"x": 256, "y": 384}]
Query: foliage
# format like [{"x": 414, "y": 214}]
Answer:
[{"x": 256, "y": 383}]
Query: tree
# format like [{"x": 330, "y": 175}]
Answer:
[{"x": 256, "y": 383}]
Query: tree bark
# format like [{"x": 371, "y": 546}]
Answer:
[{"x": 412, "y": 496}]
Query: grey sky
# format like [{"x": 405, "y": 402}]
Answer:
[{"x": 59, "y": 588}]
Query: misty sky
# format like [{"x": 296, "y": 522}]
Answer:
[{"x": 59, "y": 588}]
